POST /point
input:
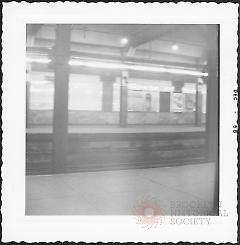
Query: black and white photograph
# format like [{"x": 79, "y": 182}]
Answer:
[
  {"x": 106, "y": 103},
  {"x": 123, "y": 119}
]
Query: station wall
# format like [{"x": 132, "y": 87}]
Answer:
[
  {"x": 89, "y": 97},
  {"x": 44, "y": 117}
]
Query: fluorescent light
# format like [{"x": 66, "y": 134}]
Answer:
[
  {"x": 107, "y": 65},
  {"x": 121, "y": 66},
  {"x": 42, "y": 60},
  {"x": 96, "y": 64},
  {"x": 38, "y": 82}
]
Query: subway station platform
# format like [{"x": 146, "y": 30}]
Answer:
[
  {"x": 93, "y": 129},
  {"x": 178, "y": 190}
]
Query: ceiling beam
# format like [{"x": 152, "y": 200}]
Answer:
[
  {"x": 188, "y": 33},
  {"x": 151, "y": 33},
  {"x": 130, "y": 52},
  {"x": 50, "y": 42},
  {"x": 32, "y": 29},
  {"x": 47, "y": 51}
]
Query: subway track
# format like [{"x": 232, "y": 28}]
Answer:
[{"x": 115, "y": 151}]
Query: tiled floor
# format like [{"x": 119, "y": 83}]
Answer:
[{"x": 176, "y": 190}]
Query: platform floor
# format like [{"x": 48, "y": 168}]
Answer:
[
  {"x": 116, "y": 129},
  {"x": 181, "y": 190}
]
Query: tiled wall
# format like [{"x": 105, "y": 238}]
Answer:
[
  {"x": 162, "y": 118},
  {"x": 44, "y": 117}
]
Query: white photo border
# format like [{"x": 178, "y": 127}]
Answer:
[{"x": 18, "y": 227}]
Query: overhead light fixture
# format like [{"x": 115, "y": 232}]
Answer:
[
  {"x": 42, "y": 60},
  {"x": 39, "y": 82},
  {"x": 175, "y": 47},
  {"x": 135, "y": 67},
  {"x": 96, "y": 64},
  {"x": 122, "y": 66},
  {"x": 124, "y": 40}
]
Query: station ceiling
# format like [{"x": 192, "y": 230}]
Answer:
[
  {"x": 139, "y": 36},
  {"x": 167, "y": 43}
]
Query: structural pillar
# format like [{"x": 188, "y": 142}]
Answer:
[
  {"x": 198, "y": 106},
  {"x": 107, "y": 92},
  {"x": 30, "y": 42},
  {"x": 124, "y": 99},
  {"x": 28, "y": 97},
  {"x": 60, "y": 57},
  {"x": 212, "y": 127}
]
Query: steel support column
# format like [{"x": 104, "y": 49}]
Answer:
[
  {"x": 28, "y": 84},
  {"x": 198, "y": 106},
  {"x": 30, "y": 42},
  {"x": 124, "y": 99},
  {"x": 27, "y": 104},
  {"x": 212, "y": 120},
  {"x": 61, "y": 55}
]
